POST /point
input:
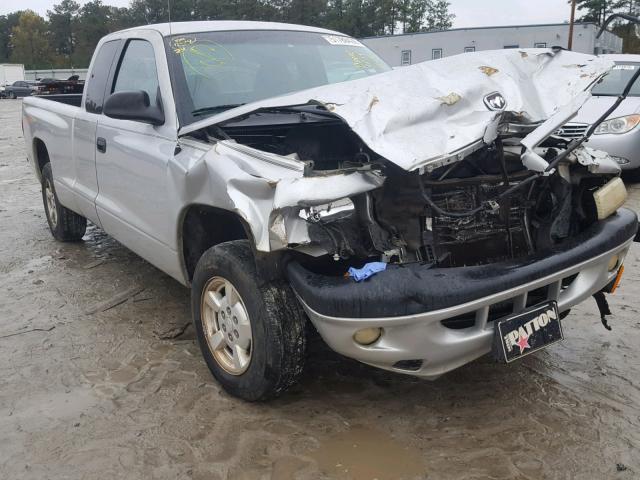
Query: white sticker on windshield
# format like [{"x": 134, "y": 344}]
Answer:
[
  {"x": 625, "y": 67},
  {"x": 342, "y": 41}
]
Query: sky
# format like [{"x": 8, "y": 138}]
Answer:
[{"x": 469, "y": 13}]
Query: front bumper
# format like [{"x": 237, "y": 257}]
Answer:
[{"x": 436, "y": 320}]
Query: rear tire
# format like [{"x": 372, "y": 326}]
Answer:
[
  {"x": 12, "y": 95},
  {"x": 252, "y": 334},
  {"x": 65, "y": 225}
]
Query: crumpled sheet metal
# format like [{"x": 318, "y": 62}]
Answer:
[
  {"x": 418, "y": 116},
  {"x": 320, "y": 190},
  {"x": 259, "y": 187},
  {"x": 596, "y": 161}
]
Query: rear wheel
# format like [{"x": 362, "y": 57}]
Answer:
[
  {"x": 12, "y": 95},
  {"x": 65, "y": 225},
  {"x": 252, "y": 335}
]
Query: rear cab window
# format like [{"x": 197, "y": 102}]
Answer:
[{"x": 97, "y": 83}]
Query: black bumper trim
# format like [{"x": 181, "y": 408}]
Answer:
[{"x": 417, "y": 288}]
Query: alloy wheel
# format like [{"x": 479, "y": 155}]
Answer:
[
  {"x": 51, "y": 204},
  {"x": 226, "y": 325}
]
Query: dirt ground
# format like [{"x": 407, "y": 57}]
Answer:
[{"x": 93, "y": 392}]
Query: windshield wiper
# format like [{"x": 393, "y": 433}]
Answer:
[
  {"x": 214, "y": 109},
  {"x": 301, "y": 109}
]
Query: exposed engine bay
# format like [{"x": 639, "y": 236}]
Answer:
[{"x": 469, "y": 212}]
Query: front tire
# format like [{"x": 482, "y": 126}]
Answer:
[
  {"x": 252, "y": 335},
  {"x": 65, "y": 225}
]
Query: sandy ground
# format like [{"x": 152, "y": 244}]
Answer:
[{"x": 121, "y": 393}]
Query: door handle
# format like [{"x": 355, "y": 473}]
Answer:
[{"x": 101, "y": 144}]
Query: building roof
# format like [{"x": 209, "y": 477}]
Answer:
[{"x": 483, "y": 28}]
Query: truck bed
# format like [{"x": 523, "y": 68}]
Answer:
[
  {"x": 73, "y": 99},
  {"x": 49, "y": 120}
]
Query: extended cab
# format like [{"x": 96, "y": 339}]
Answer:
[{"x": 272, "y": 167}]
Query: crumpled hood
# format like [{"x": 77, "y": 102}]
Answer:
[{"x": 421, "y": 115}]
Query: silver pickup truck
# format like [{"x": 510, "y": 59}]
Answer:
[{"x": 419, "y": 218}]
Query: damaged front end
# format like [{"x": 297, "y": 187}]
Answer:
[
  {"x": 451, "y": 174},
  {"x": 381, "y": 169}
]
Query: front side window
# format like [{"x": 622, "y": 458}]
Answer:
[
  {"x": 613, "y": 84},
  {"x": 436, "y": 54},
  {"x": 405, "y": 57},
  {"x": 137, "y": 70},
  {"x": 215, "y": 71}
]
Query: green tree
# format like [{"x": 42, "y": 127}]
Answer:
[
  {"x": 630, "y": 40},
  {"x": 438, "y": 16},
  {"x": 365, "y": 18},
  {"x": 61, "y": 21},
  {"x": 414, "y": 15},
  {"x": 145, "y": 12},
  {"x": 30, "y": 42},
  {"x": 305, "y": 12},
  {"x": 598, "y": 10},
  {"x": 120, "y": 18},
  {"x": 7, "y": 22},
  {"x": 93, "y": 22}
]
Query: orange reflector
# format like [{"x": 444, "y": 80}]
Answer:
[{"x": 616, "y": 282}]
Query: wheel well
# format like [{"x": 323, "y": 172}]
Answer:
[
  {"x": 203, "y": 227},
  {"x": 41, "y": 154}
]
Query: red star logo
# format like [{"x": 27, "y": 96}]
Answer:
[{"x": 523, "y": 342}]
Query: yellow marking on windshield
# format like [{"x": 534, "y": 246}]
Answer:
[
  {"x": 201, "y": 56},
  {"x": 360, "y": 61},
  {"x": 180, "y": 44}
]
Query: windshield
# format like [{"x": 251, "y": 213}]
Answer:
[
  {"x": 613, "y": 84},
  {"x": 215, "y": 71}
]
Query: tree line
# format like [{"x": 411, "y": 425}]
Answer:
[
  {"x": 599, "y": 10},
  {"x": 68, "y": 34}
]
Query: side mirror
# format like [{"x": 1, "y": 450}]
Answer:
[{"x": 133, "y": 105}]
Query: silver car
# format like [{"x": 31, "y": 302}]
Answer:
[{"x": 619, "y": 135}]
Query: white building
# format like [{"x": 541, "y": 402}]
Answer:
[
  {"x": 11, "y": 72},
  {"x": 409, "y": 48}
]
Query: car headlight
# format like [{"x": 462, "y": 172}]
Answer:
[{"x": 618, "y": 125}]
